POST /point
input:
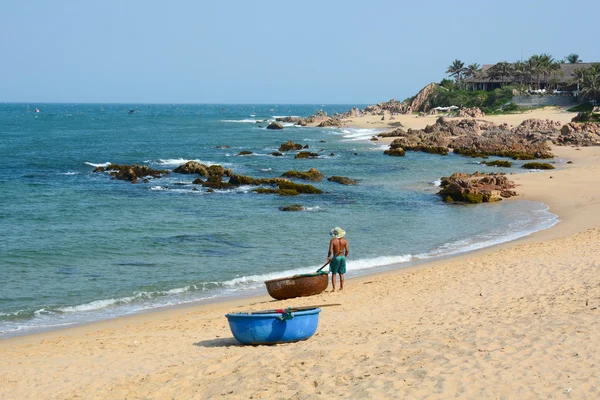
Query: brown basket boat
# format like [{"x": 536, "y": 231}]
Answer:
[{"x": 297, "y": 286}]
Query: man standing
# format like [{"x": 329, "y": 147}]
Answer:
[{"x": 338, "y": 250}]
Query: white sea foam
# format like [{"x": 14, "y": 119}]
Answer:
[
  {"x": 248, "y": 121},
  {"x": 356, "y": 134},
  {"x": 70, "y": 173},
  {"x": 106, "y": 164},
  {"x": 175, "y": 162},
  {"x": 266, "y": 169},
  {"x": 437, "y": 182},
  {"x": 253, "y": 281},
  {"x": 101, "y": 304},
  {"x": 312, "y": 209}
]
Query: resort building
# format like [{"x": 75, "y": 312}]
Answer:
[{"x": 557, "y": 81}]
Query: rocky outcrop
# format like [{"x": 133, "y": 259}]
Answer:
[
  {"x": 342, "y": 180},
  {"x": 575, "y": 134},
  {"x": 287, "y": 188},
  {"x": 532, "y": 126},
  {"x": 470, "y": 113},
  {"x": 238, "y": 180},
  {"x": 192, "y": 167},
  {"x": 331, "y": 122},
  {"x": 292, "y": 207},
  {"x": 131, "y": 173},
  {"x": 537, "y": 165},
  {"x": 306, "y": 154},
  {"x": 244, "y": 153},
  {"x": 316, "y": 118},
  {"x": 288, "y": 119},
  {"x": 478, "y": 139},
  {"x": 311, "y": 175},
  {"x": 393, "y": 107},
  {"x": 289, "y": 146},
  {"x": 275, "y": 125},
  {"x": 476, "y": 188},
  {"x": 395, "y": 133},
  {"x": 397, "y": 152},
  {"x": 418, "y": 103}
]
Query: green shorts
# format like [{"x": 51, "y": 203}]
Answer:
[{"x": 338, "y": 265}]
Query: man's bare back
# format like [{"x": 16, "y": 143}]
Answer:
[{"x": 338, "y": 247}]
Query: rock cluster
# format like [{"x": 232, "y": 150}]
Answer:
[
  {"x": 312, "y": 174},
  {"x": 477, "y": 138},
  {"x": 275, "y": 125},
  {"x": 306, "y": 154},
  {"x": 587, "y": 134},
  {"x": 131, "y": 173},
  {"x": 342, "y": 180},
  {"x": 330, "y": 122},
  {"x": 289, "y": 146},
  {"x": 474, "y": 112},
  {"x": 476, "y": 187}
]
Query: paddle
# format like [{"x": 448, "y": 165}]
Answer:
[
  {"x": 292, "y": 309},
  {"x": 328, "y": 261}
]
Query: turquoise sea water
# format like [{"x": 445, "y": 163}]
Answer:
[{"x": 78, "y": 246}]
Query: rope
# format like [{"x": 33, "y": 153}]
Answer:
[{"x": 287, "y": 315}]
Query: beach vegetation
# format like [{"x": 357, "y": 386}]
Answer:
[
  {"x": 573, "y": 58},
  {"x": 584, "y": 107},
  {"x": 536, "y": 165},
  {"x": 489, "y": 102}
]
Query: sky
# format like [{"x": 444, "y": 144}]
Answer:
[{"x": 269, "y": 52}]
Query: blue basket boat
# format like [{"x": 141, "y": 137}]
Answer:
[{"x": 273, "y": 328}]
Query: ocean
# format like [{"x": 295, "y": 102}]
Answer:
[{"x": 77, "y": 246}]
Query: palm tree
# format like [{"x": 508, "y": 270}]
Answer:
[
  {"x": 573, "y": 58},
  {"x": 533, "y": 69},
  {"x": 521, "y": 72},
  {"x": 501, "y": 70},
  {"x": 591, "y": 83},
  {"x": 579, "y": 77},
  {"x": 472, "y": 71},
  {"x": 555, "y": 71},
  {"x": 456, "y": 69}
]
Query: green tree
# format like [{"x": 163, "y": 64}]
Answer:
[
  {"x": 590, "y": 88},
  {"x": 456, "y": 70},
  {"x": 573, "y": 58},
  {"x": 502, "y": 71},
  {"x": 472, "y": 71}
]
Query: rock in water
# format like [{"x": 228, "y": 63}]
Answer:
[
  {"x": 476, "y": 187},
  {"x": 342, "y": 180},
  {"x": 275, "y": 125}
]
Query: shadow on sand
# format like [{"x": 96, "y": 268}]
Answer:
[{"x": 219, "y": 342}]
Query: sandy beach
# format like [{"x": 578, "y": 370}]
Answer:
[{"x": 516, "y": 321}]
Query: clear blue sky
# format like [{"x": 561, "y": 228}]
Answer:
[{"x": 269, "y": 51}]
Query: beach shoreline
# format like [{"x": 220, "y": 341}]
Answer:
[{"x": 505, "y": 320}]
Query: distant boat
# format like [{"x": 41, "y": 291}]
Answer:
[{"x": 36, "y": 110}]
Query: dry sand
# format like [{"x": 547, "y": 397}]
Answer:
[
  {"x": 415, "y": 122},
  {"x": 517, "y": 321}
]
